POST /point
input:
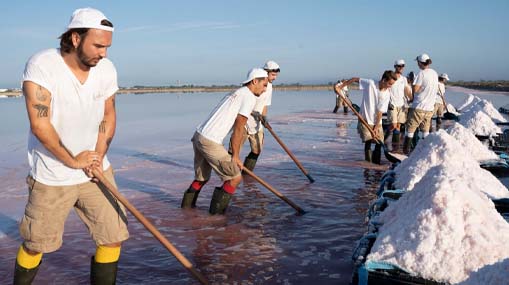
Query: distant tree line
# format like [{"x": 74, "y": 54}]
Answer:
[{"x": 491, "y": 85}]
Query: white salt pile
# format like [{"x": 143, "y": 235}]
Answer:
[
  {"x": 451, "y": 109},
  {"x": 440, "y": 148},
  {"x": 490, "y": 274},
  {"x": 480, "y": 124},
  {"x": 474, "y": 147},
  {"x": 443, "y": 230},
  {"x": 469, "y": 100},
  {"x": 485, "y": 106}
]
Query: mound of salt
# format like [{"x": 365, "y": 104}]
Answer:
[
  {"x": 468, "y": 101},
  {"x": 485, "y": 106},
  {"x": 474, "y": 147},
  {"x": 444, "y": 230},
  {"x": 480, "y": 124},
  {"x": 440, "y": 148}
]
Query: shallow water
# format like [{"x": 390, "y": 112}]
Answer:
[{"x": 261, "y": 239}]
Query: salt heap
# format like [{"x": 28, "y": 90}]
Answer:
[
  {"x": 485, "y": 106},
  {"x": 480, "y": 124},
  {"x": 468, "y": 101},
  {"x": 440, "y": 148},
  {"x": 444, "y": 230},
  {"x": 479, "y": 151},
  {"x": 451, "y": 109}
]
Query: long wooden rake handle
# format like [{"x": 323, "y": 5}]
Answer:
[
  {"x": 297, "y": 162},
  {"x": 277, "y": 193},
  {"x": 151, "y": 228}
]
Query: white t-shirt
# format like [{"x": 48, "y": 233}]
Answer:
[
  {"x": 441, "y": 90},
  {"x": 373, "y": 100},
  {"x": 398, "y": 92},
  {"x": 344, "y": 91},
  {"x": 425, "y": 99},
  {"x": 76, "y": 112},
  {"x": 253, "y": 126},
  {"x": 221, "y": 120}
]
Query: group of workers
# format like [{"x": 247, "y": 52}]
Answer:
[
  {"x": 70, "y": 101},
  {"x": 410, "y": 101}
]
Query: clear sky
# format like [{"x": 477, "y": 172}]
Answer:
[{"x": 217, "y": 42}]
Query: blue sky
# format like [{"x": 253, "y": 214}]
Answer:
[{"x": 217, "y": 42}]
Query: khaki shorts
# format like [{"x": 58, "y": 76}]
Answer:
[
  {"x": 366, "y": 134},
  {"x": 438, "y": 110},
  {"x": 42, "y": 226},
  {"x": 209, "y": 155},
  {"x": 417, "y": 117},
  {"x": 340, "y": 102},
  {"x": 255, "y": 141},
  {"x": 397, "y": 115}
]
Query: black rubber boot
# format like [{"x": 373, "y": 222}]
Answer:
[
  {"x": 345, "y": 110},
  {"x": 377, "y": 154},
  {"x": 388, "y": 138},
  {"x": 396, "y": 136},
  {"x": 189, "y": 199},
  {"x": 103, "y": 273},
  {"x": 250, "y": 161},
  {"x": 335, "y": 109},
  {"x": 406, "y": 145},
  {"x": 367, "y": 151},
  {"x": 23, "y": 276},
  {"x": 219, "y": 202}
]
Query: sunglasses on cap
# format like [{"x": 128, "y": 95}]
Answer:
[{"x": 273, "y": 70}]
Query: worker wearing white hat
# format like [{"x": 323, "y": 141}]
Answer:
[
  {"x": 70, "y": 99},
  {"x": 209, "y": 153},
  {"x": 425, "y": 88},
  {"x": 396, "y": 113},
  {"x": 440, "y": 100},
  {"x": 254, "y": 127}
]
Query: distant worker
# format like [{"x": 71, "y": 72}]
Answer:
[
  {"x": 396, "y": 115},
  {"x": 440, "y": 100},
  {"x": 254, "y": 126},
  {"x": 209, "y": 153},
  {"x": 375, "y": 101},
  {"x": 70, "y": 100},
  {"x": 340, "y": 98},
  {"x": 425, "y": 88}
]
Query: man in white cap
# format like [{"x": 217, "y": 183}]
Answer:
[
  {"x": 70, "y": 100},
  {"x": 425, "y": 88},
  {"x": 440, "y": 100},
  {"x": 254, "y": 126},
  {"x": 396, "y": 112},
  {"x": 209, "y": 153},
  {"x": 375, "y": 101}
]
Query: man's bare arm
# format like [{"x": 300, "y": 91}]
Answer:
[
  {"x": 107, "y": 127},
  {"x": 238, "y": 131},
  {"x": 38, "y": 104}
]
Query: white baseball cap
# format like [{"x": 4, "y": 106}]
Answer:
[
  {"x": 255, "y": 73},
  {"x": 444, "y": 76},
  {"x": 399, "y": 62},
  {"x": 422, "y": 58},
  {"x": 271, "y": 65},
  {"x": 88, "y": 18}
]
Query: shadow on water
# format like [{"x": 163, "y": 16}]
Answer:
[{"x": 9, "y": 227}]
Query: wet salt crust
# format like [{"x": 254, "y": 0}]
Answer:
[
  {"x": 480, "y": 124},
  {"x": 440, "y": 148},
  {"x": 445, "y": 230},
  {"x": 466, "y": 138}
]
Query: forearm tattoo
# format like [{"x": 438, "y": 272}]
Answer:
[
  {"x": 102, "y": 126},
  {"x": 42, "y": 110},
  {"x": 39, "y": 94}
]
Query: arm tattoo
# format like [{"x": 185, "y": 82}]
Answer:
[
  {"x": 42, "y": 110},
  {"x": 102, "y": 126},
  {"x": 39, "y": 94}
]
